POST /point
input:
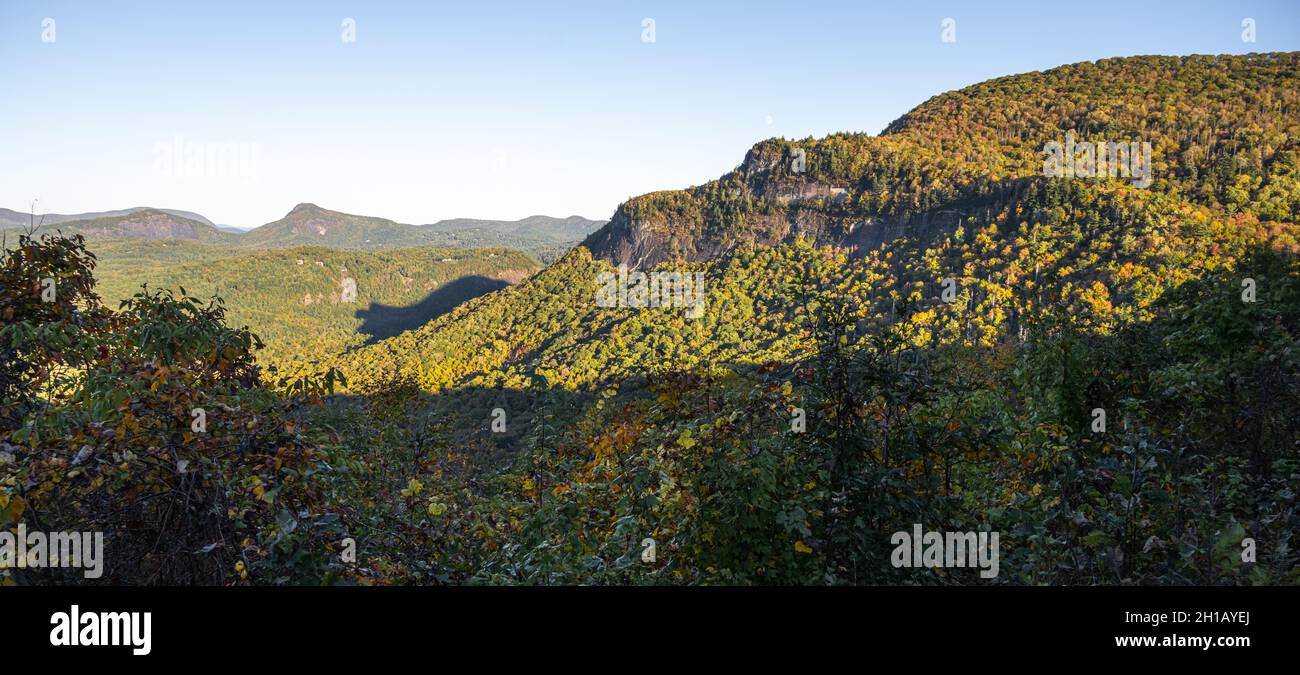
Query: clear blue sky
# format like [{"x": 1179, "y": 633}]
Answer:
[{"x": 502, "y": 110}]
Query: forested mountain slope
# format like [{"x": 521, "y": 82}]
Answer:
[
  {"x": 1221, "y": 129},
  {"x": 10, "y": 218},
  {"x": 917, "y": 329},
  {"x": 137, "y": 224},
  {"x": 543, "y": 237},
  {"x": 573, "y": 228},
  {"x": 313, "y": 301},
  {"x": 926, "y": 326},
  {"x": 952, "y": 190},
  {"x": 310, "y": 225}
]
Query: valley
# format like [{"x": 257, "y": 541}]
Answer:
[
  {"x": 294, "y": 298},
  {"x": 914, "y": 327},
  {"x": 283, "y": 280}
]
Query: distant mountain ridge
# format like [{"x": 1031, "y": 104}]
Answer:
[
  {"x": 12, "y": 218},
  {"x": 310, "y": 225},
  {"x": 142, "y": 224},
  {"x": 573, "y": 228}
]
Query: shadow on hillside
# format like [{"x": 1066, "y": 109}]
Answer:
[{"x": 381, "y": 321}]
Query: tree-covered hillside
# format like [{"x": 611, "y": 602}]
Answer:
[
  {"x": 310, "y": 225},
  {"x": 311, "y": 302},
  {"x": 947, "y": 193},
  {"x": 150, "y": 224},
  {"x": 926, "y": 328},
  {"x": 545, "y": 228},
  {"x": 542, "y": 237},
  {"x": 1069, "y": 301},
  {"x": 1221, "y": 129},
  {"x": 10, "y": 218}
]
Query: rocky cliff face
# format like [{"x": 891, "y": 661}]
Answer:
[
  {"x": 767, "y": 199},
  {"x": 970, "y": 153},
  {"x": 812, "y": 188}
]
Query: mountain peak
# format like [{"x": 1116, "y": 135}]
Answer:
[{"x": 305, "y": 207}]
